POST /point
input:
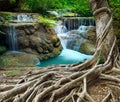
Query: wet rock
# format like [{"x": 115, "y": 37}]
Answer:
[{"x": 87, "y": 48}]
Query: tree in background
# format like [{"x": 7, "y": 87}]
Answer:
[{"x": 41, "y": 6}]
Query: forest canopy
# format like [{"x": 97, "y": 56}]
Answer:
[{"x": 80, "y": 7}]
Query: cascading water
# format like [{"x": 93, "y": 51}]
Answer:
[
  {"x": 71, "y": 31},
  {"x": 75, "y": 39},
  {"x": 12, "y": 34},
  {"x": 12, "y": 38},
  {"x": 61, "y": 30},
  {"x": 73, "y": 23},
  {"x": 71, "y": 35},
  {"x": 24, "y": 18}
]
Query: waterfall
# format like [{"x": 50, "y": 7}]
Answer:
[
  {"x": 24, "y": 17},
  {"x": 71, "y": 31},
  {"x": 12, "y": 38},
  {"x": 75, "y": 39},
  {"x": 61, "y": 30},
  {"x": 71, "y": 34},
  {"x": 73, "y": 23}
]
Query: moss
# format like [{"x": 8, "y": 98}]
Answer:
[
  {"x": 57, "y": 51},
  {"x": 18, "y": 59},
  {"x": 2, "y": 49},
  {"x": 50, "y": 23},
  {"x": 13, "y": 72},
  {"x": 7, "y": 15},
  {"x": 12, "y": 1}
]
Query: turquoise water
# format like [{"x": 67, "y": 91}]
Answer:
[{"x": 67, "y": 56}]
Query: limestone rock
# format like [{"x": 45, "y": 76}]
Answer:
[{"x": 42, "y": 42}]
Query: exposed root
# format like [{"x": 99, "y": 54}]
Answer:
[{"x": 70, "y": 83}]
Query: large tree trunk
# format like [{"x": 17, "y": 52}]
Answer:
[{"x": 76, "y": 83}]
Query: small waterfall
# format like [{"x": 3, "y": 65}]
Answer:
[
  {"x": 61, "y": 30},
  {"x": 75, "y": 39},
  {"x": 24, "y": 17},
  {"x": 71, "y": 31},
  {"x": 73, "y": 23},
  {"x": 12, "y": 38}
]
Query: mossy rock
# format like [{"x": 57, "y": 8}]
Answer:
[{"x": 18, "y": 59}]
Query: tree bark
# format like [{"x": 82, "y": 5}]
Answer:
[{"x": 72, "y": 83}]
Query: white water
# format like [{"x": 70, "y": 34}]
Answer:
[
  {"x": 12, "y": 34},
  {"x": 61, "y": 30},
  {"x": 72, "y": 39},
  {"x": 73, "y": 23},
  {"x": 83, "y": 28},
  {"x": 24, "y": 18},
  {"x": 12, "y": 38}
]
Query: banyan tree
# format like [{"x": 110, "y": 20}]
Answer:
[{"x": 78, "y": 82}]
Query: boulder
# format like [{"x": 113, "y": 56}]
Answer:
[
  {"x": 15, "y": 58},
  {"x": 38, "y": 39},
  {"x": 82, "y": 40},
  {"x": 91, "y": 33},
  {"x": 88, "y": 47},
  {"x": 75, "y": 38}
]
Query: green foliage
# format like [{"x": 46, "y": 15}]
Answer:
[
  {"x": 115, "y": 8},
  {"x": 76, "y": 6},
  {"x": 49, "y": 22},
  {"x": 2, "y": 49},
  {"x": 7, "y": 15},
  {"x": 101, "y": 60},
  {"x": 12, "y": 1},
  {"x": 12, "y": 72}
]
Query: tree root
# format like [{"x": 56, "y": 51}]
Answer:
[{"x": 70, "y": 83}]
